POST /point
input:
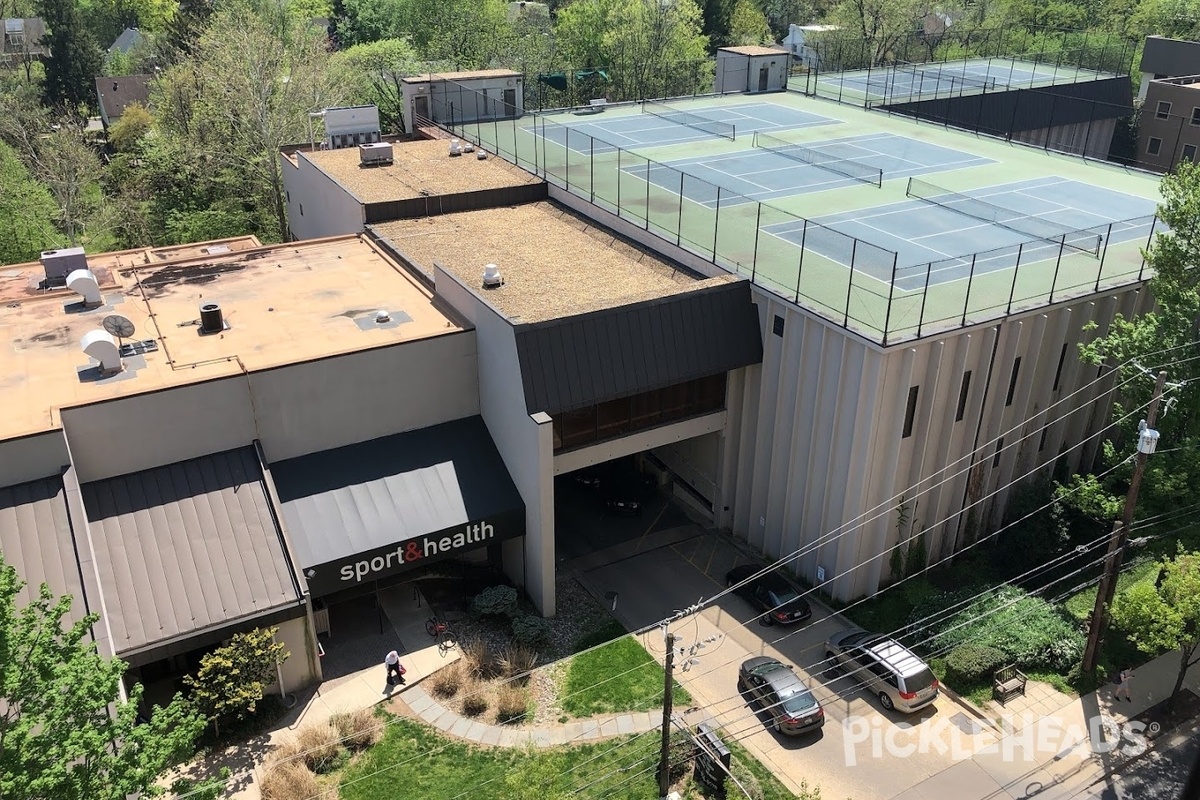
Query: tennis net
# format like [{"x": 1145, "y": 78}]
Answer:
[
  {"x": 809, "y": 155},
  {"x": 919, "y": 75},
  {"x": 1081, "y": 240},
  {"x": 663, "y": 111}
]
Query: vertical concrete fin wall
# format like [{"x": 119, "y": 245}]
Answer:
[
  {"x": 330, "y": 209},
  {"x": 525, "y": 442},
  {"x": 28, "y": 458},
  {"x": 816, "y": 434}
]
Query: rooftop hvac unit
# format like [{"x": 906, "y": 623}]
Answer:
[
  {"x": 375, "y": 154},
  {"x": 58, "y": 264}
]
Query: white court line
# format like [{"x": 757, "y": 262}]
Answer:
[
  {"x": 904, "y": 239},
  {"x": 738, "y": 178}
]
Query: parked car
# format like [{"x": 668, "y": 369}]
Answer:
[
  {"x": 887, "y": 669},
  {"x": 778, "y": 690},
  {"x": 777, "y": 597}
]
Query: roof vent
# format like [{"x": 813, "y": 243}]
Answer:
[
  {"x": 83, "y": 283},
  {"x": 211, "y": 320},
  {"x": 491, "y": 276},
  {"x": 102, "y": 347},
  {"x": 382, "y": 316},
  {"x": 455, "y": 147},
  {"x": 58, "y": 264},
  {"x": 482, "y": 154}
]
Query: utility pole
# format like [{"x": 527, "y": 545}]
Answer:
[
  {"x": 664, "y": 758},
  {"x": 1147, "y": 439}
]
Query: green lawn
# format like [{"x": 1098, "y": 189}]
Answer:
[
  {"x": 586, "y": 693},
  {"x": 414, "y": 760}
]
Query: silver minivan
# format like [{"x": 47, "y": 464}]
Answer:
[{"x": 886, "y": 668}]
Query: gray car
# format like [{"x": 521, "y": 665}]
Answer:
[
  {"x": 777, "y": 689},
  {"x": 886, "y": 668}
]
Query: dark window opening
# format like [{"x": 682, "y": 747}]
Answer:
[
  {"x": 302, "y": 209},
  {"x": 1012, "y": 382},
  {"x": 1164, "y": 110},
  {"x": 999, "y": 452},
  {"x": 1189, "y": 152},
  {"x": 627, "y": 415},
  {"x": 777, "y": 326},
  {"x": 1153, "y": 146},
  {"x": 1062, "y": 359},
  {"x": 964, "y": 392},
  {"x": 910, "y": 413},
  {"x": 1196, "y": 116},
  {"x": 1042, "y": 442}
]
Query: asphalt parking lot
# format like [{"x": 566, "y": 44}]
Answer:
[{"x": 664, "y": 570}]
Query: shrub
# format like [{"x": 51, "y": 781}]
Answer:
[
  {"x": 496, "y": 601},
  {"x": 531, "y": 631},
  {"x": 478, "y": 660},
  {"x": 517, "y": 660},
  {"x": 512, "y": 703},
  {"x": 967, "y": 663},
  {"x": 232, "y": 679},
  {"x": 914, "y": 561},
  {"x": 358, "y": 730},
  {"x": 447, "y": 680},
  {"x": 289, "y": 781},
  {"x": 282, "y": 753},
  {"x": 319, "y": 746},
  {"x": 474, "y": 703},
  {"x": 1028, "y": 630}
]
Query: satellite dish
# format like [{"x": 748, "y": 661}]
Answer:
[{"x": 118, "y": 326}]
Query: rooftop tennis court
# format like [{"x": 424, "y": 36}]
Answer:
[
  {"x": 892, "y": 228},
  {"x": 900, "y": 83},
  {"x": 628, "y": 127},
  {"x": 773, "y": 169}
]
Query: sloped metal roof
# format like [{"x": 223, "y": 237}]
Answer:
[
  {"x": 187, "y": 547},
  {"x": 576, "y": 362},
  {"x": 37, "y": 539},
  {"x": 352, "y": 500}
]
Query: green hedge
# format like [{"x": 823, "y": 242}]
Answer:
[{"x": 969, "y": 663}]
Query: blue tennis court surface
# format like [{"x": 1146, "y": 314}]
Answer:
[
  {"x": 955, "y": 77},
  {"x": 765, "y": 175},
  {"x": 922, "y": 232},
  {"x": 647, "y": 130}
]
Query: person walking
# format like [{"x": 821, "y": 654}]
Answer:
[
  {"x": 1123, "y": 684},
  {"x": 392, "y": 662}
]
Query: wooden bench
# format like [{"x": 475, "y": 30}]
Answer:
[{"x": 1007, "y": 683}]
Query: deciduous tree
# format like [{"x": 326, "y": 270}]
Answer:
[
  {"x": 26, "y": 212},
  {"x": 374, "y": 72},
  {"x": 748, "y": 25},
  {"x": 1165, "y": 615},
  {"x": 65, "y": 734},
  {"x": 882, "y": 24}
]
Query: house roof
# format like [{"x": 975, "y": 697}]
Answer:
[
  {"x": 23, "y": 35},
  {"x": 126, "y": 41},
  {"x": 117, "y": 94},
  {"x": 576, "y": 362},
  {"x": 36, "y": 538},
  {"x": 187, "y": 547},
  {"x": 755, "y": 50}
]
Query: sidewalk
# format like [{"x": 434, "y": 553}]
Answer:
[{"x": 1061, "y": 753}]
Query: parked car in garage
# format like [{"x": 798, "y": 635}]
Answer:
[
  {"x": 779, "y": 599},
  {"x": 778, "y": 690},
  {"x": 886, "y": 668}
]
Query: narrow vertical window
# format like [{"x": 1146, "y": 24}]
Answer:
[
  {"x": 964, "y": 391},
  {"x": 777, "y": 326},
  {"x": 1042, "y": 443},
  {"x": 999, "y": 451},
  {"x": 1012, "y": 381},
  {"x": 910, "y": 413},
  {"x": 1062, "y": 359}
]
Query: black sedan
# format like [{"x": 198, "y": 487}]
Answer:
[
  {"x": 777, "y": 597},
  {"x": 777, "y": 690}
]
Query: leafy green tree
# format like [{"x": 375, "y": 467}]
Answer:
[
  {"x": 184, "y": 28},
  {"x": 1172, "y": 476},
  {"x": 244, "y": 92},
  {"x": 1165, "y": 615},
  {"x": 232, "y": 679},
  {"x": 882, "y": 24},
  {"x": 470, "y": 37},
  {"x": 748, "y": 25},
  {"x": 74, "y": 59},
  {"x": 1179, "y": 19},
  {"x": 26, "y": 211},
  {"x": 126, "y": 133},
  {"x": 718, "y": 21},
  {"x": 64, "y": 732},
  {"x": 1052, "y": 14},
  {"x": 783, "y": 13},
  {"x": 364, "y": 21},
  {"x": 65, "y": 162}
]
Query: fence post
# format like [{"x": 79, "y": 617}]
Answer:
[
  {"x": 754, "y": 255},
  {"x": 887, "y": 316},
  {"x": 679, "y": 221},
  {"x": 1012, "y": 291},
  {"x": 567, "y": 158},
  {"x": 967, "y": 296},
  {"x": 716, "y": 225},
  {"x": 849, "y": 284},
  {"x": 1103, "y": 255},
  {"x": 592, "y": 167},
  {"x": 924, "y": 297},
  {"x": 1149, "y": 242},
  {"x": 647, "y": 194},
  {"x": 619, "y": 151},
  {"x": 800, "y": 263},
  {"x": 1057, "y": 263}
]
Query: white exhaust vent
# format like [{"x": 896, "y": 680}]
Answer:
[
  {"x": 102, "y": 347},
  {"x": 491, "y": 276},
  {"x": 83, "y": 283},
  {"x": 455, "y": 147}
]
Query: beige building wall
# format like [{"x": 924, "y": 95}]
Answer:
[
  {"x": 818, "y": 434},
  {"x": 28, "y": 458},
  {"x": 327, "y": 210}
]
